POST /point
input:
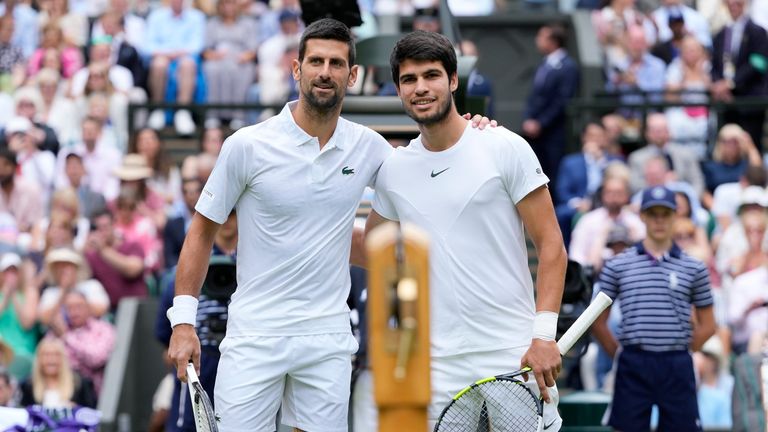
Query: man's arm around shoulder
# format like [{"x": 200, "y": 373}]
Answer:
[{"x": 190, "y": 274}]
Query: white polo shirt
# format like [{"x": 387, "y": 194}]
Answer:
[
  {"x": 464, "y": 197},
  {"x": 295, "y": 210}
]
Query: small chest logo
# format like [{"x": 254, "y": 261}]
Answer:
[
  {"x": 347, "y": 170},
  {"x": 538, "y": 170},
  {"x": 435, "y": 174}
]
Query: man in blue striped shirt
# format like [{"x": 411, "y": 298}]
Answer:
[{"x": 656, "y": 284}]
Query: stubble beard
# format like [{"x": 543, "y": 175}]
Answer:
[{"x": 442, "y": 112}]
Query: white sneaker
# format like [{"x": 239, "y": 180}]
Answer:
[
  {"x": 156, "y": 120},
  {"x": 183, "y": 122}
]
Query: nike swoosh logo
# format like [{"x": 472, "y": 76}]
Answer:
[
  {"x": 550, "y": 424},
  {"x": 435, "y": 174}
]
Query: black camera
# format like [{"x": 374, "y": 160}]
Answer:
[{"x": 221, "y": 280}]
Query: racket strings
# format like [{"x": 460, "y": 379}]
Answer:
[
  {"x": 205, "y": 419},
  {"x": 495, "y": 406}
]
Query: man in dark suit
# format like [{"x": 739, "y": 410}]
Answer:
[
  {"x": 554, "y": 84},
  {"x": 739, "y": 67},
  {"x": 579, "y": 177}
]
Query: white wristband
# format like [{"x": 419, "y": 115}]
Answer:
[
  {"x": 545, "y": 326},
  {"x": 183, "y": 311}
]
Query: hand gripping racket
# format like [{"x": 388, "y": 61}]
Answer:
[
  {"x": 202, "y": 408},
  {"x": 505, "y": 403}
]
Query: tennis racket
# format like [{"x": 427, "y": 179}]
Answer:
[
  {"x": 202, "y": 408},
  {"x": 503, "y": 402}
]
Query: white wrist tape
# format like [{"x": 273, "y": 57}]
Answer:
[
  {"x": 545, "y": 326},
  {"x": 183, "y": 311}
]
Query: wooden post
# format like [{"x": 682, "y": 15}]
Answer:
[{"x": 398, "y": 313}]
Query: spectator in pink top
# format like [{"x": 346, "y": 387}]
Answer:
[{"x": 70, "y": 58}]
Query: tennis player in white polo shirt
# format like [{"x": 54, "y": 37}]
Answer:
[{"x": 296, "y": 180}]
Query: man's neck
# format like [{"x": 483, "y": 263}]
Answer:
[
  {"x": 320, "y": 124},
  {"x": 443, "y": 135},
  {"x": 655, "y": 248}
]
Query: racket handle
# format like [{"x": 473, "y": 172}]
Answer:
[
  {"x": 583, "y": 322},
  {"x": 191, "y": 373}
]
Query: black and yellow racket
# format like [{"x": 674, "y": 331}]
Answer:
[
  {"x": 202, "y": 408},
  {"x": 503, "y": 402}
]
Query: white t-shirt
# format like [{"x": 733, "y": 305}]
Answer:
[
  {"x": 464, "y": 197},
  {"x": 295, "y": 209}
]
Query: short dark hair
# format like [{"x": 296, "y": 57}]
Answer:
[
  {"x": 591, "y": 123},
  {"x": 328, "y": 28},
  {"x": 426, "y": 46},
  {"x": 557, "y": 34},
  {"x": 9, "y": 155}
]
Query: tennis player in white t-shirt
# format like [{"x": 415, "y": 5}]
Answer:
[
  {"x": 296, "y": 180},
  {"x": 474, "y": 192}
]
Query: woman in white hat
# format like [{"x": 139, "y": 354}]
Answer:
[
  {"x": 134, "y": 174},
  {"x": 67, "y": 270}
]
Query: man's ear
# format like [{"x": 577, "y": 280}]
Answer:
[
  {"x": 454, "y": 82},
  {"x": 296, "y": 69},
  {"x": 353, "y": 75}
]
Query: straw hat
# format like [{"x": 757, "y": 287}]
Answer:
[
  {"x": 67, "y": 255},
  {"x": 134, "y": 167}
]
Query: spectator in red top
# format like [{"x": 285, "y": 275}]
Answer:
[{"x": 117, "y": 264}]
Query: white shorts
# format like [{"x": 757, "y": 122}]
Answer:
[
  {"x": 309, "y": 375},
  {"x": 449, "y": 376},
  {"x": 452, "y": 374}
]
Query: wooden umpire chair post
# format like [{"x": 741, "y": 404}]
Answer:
[{"x": 398, "y": 313}]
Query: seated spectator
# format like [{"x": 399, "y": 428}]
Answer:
[
  {"x": 747, "y": 314},
  {"x": 614, "y": 128},
  {"x": 687, "y": 80},
  {"x": 754, "y": 223},
  {"x": 733, "y": 243},
  {"x": 613, "y": 23},
  {"x": 133, "y": 224},
  {"x": 715, "y": 386},
  {"x": 639, "y": 72},
  {"x": 727, "y": 196},
  {"x": 26, "y": 31},
  {"x": 166, "y": 177},
  {"x": 67, "y": 271},
  {"x": 276, "y": 84},
  {"x": 28, "y": 103},
  {"x": 115, "y": 113},
  {"x": 12, "y": 71},
  {"x": 134, "y": 175},
  {"x": 691, "y": 238},
  {"x": 122, "y": 52},
  {"x": 176, "y": 229},
  {"x": 53, "y": 383},
  {"x": 89, "y": 201},
  {"x": 34, "y": 165},
  {"x": 116, "y": 262},
  {"x": 579, "y": 177},
  {"x": 591, "y": 230},
  {"x": 59, "y": 233},
  {"x": 229, "y": 60},
  {"x": 74, "y": 26},
  {"x": 69, "y": 57},
  {"x": 669, "y": 49},
  {"x": 57, "y": 111},
  {"x": 175, "y": 39},
  {"x": 680, "y": 160},
  {"x": 19, "y": 197},
  {"x": 99, "y": 158},
  {"x": 693, "y": 22},
  {"x": 18, "y": 311},
  {"x": 89, "y": 341},
  {"x": 734, "y": 151},
  {"x": 64, "y": 201},
  {"x": 132, "y": 29}
]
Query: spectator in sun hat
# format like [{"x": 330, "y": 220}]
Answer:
[
  {"x": 134, "y": 174},
  {"x": 67, "y": 271}
]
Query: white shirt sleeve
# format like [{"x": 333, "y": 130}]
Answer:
[
  {"x": 382, "y": 203},
  {"x": 521, "y": 170},
  {"x": 379, "y": 152},
  {"x": 227, "y": 181}
]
